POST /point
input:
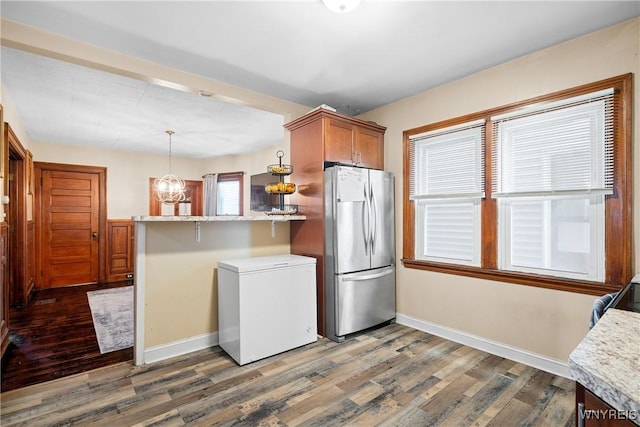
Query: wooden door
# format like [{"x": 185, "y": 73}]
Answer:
[{"x": 70, "y": 228}]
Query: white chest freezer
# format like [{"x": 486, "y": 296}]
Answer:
[{"x": 266, "y": 305}]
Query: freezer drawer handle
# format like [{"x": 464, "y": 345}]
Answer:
[{"x": 367, "y": 277}]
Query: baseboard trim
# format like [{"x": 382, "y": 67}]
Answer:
[
  {"x": 178, "y": 348},
  {"x": 544, "y": 363},
  {"x": 553, "y": 366}
]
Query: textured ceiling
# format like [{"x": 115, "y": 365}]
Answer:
[
  {"x": 67, "y": 103},
  {"x": 293, "y": 50}
]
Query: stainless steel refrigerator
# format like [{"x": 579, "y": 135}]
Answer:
[{"x": 359, "y": 250}]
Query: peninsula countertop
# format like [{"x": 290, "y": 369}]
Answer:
[
  {"x": 219, "y": 218},
  {"x": 607, "y": 360}
]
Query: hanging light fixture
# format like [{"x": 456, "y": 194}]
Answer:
[
  {"x": 341, "y": 6},
  {"x": 170, "y": 188}
]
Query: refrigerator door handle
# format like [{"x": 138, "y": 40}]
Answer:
[
  {"x": 374, "y": 222},
  {"x": 367, "y": 277},
  {"x": 365, "y": 219}
]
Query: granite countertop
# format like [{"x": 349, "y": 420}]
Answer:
[
  {"x": 607, "y": 360},
  {"x": 221, "y": 218}
]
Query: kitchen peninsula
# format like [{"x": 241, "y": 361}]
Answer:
[
  {"x": 176, "y": 275},
  {"x": 605, "y": 364}
]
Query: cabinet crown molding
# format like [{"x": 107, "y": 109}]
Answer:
[{"x": 323, "y": 113}]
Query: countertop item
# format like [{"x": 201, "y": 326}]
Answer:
[{"x": 607, "y": 360}]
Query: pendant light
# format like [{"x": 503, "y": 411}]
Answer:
[
  {"x": 341, "y": 6},
  {"x": 170, "y": 188}
]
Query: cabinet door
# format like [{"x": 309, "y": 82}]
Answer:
[
  {"x": 338, "y": 144},
  {"x": 120, "y": 249},
  {"x": 369, "y": 149}
]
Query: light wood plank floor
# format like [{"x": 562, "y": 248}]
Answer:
[{"x": 392, "y": 376}]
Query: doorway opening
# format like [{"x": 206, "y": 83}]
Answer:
[{"x": 64, "y": 243}]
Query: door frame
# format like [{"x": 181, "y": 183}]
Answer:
[
  {"x": 38, "y": 168},
  {"x": 16, "y": 216}
]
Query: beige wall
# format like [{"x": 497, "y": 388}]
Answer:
[
  {"x": 10, "y": 115},
  {"x": 181, "y": 284},
  {"x": 541, "y": 321},
  {"x": 128, "y": 173},
  {"x": 250, "y": 164}
]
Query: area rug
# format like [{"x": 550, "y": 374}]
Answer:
[{"x": 112, "y": 313}]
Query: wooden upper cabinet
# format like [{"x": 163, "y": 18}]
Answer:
[
  {"x": 346, "y": 139},
  {"x": 354, "y": 143},
  {"x": 339, "y": 143},
  {"x": 370, "y": 148}
]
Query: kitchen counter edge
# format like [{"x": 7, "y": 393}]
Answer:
[
  {"x": 607, "y": 362},
  {"x": 221, "y": 218}
]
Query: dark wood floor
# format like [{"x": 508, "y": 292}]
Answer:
[
  {"x": 392, "y": 376},
  {"x": 53, "y": 337}
]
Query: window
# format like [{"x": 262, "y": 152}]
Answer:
[
  {"x": 552, "y": 168},
  {"x": 192, "y": 205},
  {"x": 446, "y": 184},
  {"x": 557, "y": 212},
  {"x": 229, "y": 193}
]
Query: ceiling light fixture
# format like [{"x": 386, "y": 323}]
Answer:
[
  {"x": 341, "y": 6},
  {"x": 170, "y": 188}
]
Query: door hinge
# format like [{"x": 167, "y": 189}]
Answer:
[{"x": 10, "y": 176}]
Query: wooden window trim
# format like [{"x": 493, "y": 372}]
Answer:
[
  {"x": 235, "y": 176},
  {"x": 618, "y": 206}
]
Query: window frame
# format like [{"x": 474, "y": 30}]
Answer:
[
  {"x": 233, "y": 176},
  {"x": 431, "y": 191},
  {"x": 618, "y": 206}
]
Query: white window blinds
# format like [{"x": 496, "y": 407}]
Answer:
[
  {"x": 446, "y": 185},
  {"x": 562, "y": 148},
  {"x": 448, "y": 162},
  {"x": 228, "y": 198}
]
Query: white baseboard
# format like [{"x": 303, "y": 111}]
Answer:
[
  {"x": 544, "y": 363},
  {"x": 178, "y": 348},
  {"x": 556, "y": 367}
]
